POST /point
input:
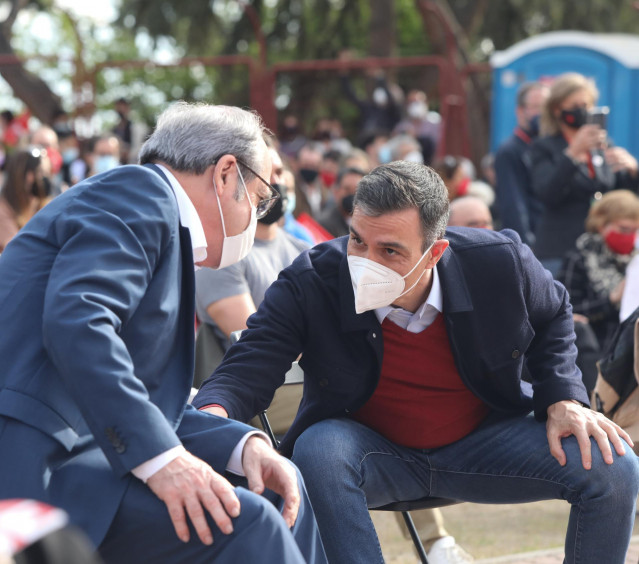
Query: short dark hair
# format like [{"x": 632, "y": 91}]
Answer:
[{"x": 403, "y": 185}]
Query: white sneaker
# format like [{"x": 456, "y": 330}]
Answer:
[{"x": 445, "y": 551}]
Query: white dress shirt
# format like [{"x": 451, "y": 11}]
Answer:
[
  {"x": 423, "y": 317},
  {"x": 190, "y": 219}
]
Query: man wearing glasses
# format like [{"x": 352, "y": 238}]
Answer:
[{"x": 98, "y": 364}]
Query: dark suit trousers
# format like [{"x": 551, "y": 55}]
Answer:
[{"x": 142, "y": 530}]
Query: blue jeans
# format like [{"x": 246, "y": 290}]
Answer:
[{"x": 349, "y": 468}]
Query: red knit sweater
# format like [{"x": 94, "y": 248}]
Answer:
[{"x": 420, "y": 400}]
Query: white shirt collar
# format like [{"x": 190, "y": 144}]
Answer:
[
  {"x": 425, "y": 314},
  {"x": 189, "y": 217}
]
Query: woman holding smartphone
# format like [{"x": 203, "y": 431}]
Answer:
[{"x": 572, "y": 166}]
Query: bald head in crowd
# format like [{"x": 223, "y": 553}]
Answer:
[{"x": 470, "y": 211}]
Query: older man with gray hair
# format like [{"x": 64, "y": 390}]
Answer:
[
  {"x": 98, "y": 290},
  {"x": 414, "y": 340}
]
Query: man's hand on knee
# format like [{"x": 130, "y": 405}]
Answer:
[
  {"x": 263, "y": 467},
  {"x": 567, "y": 418},
  {"x": 188, "y": 483}
]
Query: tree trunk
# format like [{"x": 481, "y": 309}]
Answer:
[
  {"x": 382, "y": 30},
  {"x": 477, "y": 98},
  {"x": 29, "y": 88}
]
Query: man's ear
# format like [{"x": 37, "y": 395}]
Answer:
[
  {"x": 437, "y": 252},
  {"x": 225, "y": 173}
]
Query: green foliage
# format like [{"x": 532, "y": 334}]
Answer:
[
  {"x": 294, "y": 30},
  {"x": 506, "y": 22}
]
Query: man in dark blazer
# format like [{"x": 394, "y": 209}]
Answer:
[
  {"x": 97, "y": 305},
  {"x": 518, "y": 207},
  {"x": 413, "y": 348}
]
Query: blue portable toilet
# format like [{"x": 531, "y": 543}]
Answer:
[{"x": 611, "y": 60}]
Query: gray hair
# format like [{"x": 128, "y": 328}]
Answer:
[
  {"x": 192, "y": 137},
  {"x": 403, "y": 185}
]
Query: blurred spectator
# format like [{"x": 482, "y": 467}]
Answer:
[
  {"x": 104, "y": 154},
  {"x": 291, "y": 137},
  {"x": 329, "y": 132},
  {"x": 329, "y": 168},
  {"x": 405, "y": 148},
  {"x": 47, "y": 138},
  {"x": 26, "y": 189},
  {"x": 470, "y": 211},
  {"x": 336, "y": 217},
  {"x": 124, "y": 128},
  {"x": 74, "y": 169},
  {"x": 311, "y": 194},
  {"x": 291, "y": 225},
  {"x": 421, "y": 123},
  {"x": 572, "y": 164},
  {"x": 380, "y": 109},
  {"x": 14, "y": 129},
  {"x": 488, "y": 169},
  {"x": 630, "y": 297},
  {"x": 131, "y": 133},
  {"x": 517, "y": 205},
  {"x": 456, "y": 173},
  {"x": 372, "y": 144},
  {"x": 456, "y": 181},
  {"x": 594, "y": 271},
  {"x": 357, "y": 158}
]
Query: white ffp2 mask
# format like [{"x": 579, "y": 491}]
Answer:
[
  {"x": 236, "y": 247},
  {"x": 376, "y": 285}
]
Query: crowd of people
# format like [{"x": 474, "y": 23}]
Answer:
[{"x": 388, "y": 280}]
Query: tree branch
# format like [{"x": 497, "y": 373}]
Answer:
[{"x": 7, "y": 25}]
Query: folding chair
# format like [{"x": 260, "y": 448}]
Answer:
[{"x": 296, "y": 376}]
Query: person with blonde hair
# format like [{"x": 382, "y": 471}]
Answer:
[
  {"x": 572, "y": 164},
  {"x": 594, "y": 272}
]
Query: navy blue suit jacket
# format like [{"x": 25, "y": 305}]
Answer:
[
  {"x": 97, "y": 310},
  {"x": 502, "y": 310},
  {"x": 519, "y": 209}
]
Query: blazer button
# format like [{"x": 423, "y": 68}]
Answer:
[
  {"x": 323, "y": 382},
  {"x": 515, "y": 354},
  {"x": 120, "y": 448},
  {"x": 374, "y": 335}
]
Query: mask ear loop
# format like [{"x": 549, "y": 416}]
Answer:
[
  {"x": 411, "y": 271},
  {"x": 219, "y": 207},
  {"x": 248, "y": 197}
]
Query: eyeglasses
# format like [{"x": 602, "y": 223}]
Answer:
[{"x": 265, "y": 204}]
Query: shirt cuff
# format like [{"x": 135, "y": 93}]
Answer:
[
  {"x": 145, "y": 470},
  {"x": 234, "y": 464},
  {"x": 213, "y": 405}
]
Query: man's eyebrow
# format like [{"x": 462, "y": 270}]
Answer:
[
  {"x": 385, "y": 244},
  {"x": 392, "y": 245}
]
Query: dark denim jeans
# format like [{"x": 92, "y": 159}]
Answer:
[{"x": 348, "y": 468}]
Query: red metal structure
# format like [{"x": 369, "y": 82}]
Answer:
[{"x": 451, "y": 84}]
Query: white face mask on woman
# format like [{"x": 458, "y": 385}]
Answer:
[
  {"x": 376, "y": 285},
  {"x": 236, "y": 247}
]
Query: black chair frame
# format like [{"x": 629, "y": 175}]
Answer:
[{"x": 404, "y": 506}]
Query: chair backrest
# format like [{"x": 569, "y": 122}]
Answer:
[{"x": 208, "y": 353}]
